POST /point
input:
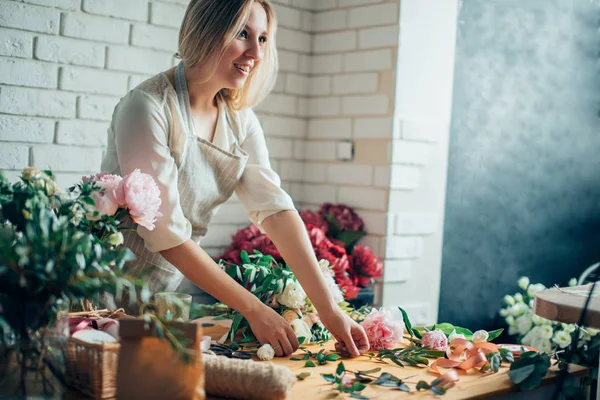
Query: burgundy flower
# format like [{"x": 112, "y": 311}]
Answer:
[
  {"x": 366, "y": 265},
  {"x": 344, "y": 215},
  {"x": 348, "y": 287},
  {"x": 232, "y": 254},
  {"x": 246, "y": 234},
  {"x": 314, "y": 219}
]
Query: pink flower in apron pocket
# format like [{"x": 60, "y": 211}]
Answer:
[{"x": 142, "y": 197}]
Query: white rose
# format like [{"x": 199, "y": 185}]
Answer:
[
  {"x": 533, "y": 289},
  {"x": 523, "y": 282},
  {"x": 116, "y": 239},
  {"x": 523, "y": 324},
  {"x": 545, "y": 331},
  {"x": 573, "y": 282},
  {"x": 266, "y": 352},
  {"x": 301, "y": 329},
  {"x": 509, "y": 300},
  {"x": 293, "y": 296},
  {"x": 562, "y": 339},
  {"x": 540, "y": 320},
  {"x": 455, "y": 335},
  {"x": 480, "y": 336},
  {"x": 519, "y": 298}
]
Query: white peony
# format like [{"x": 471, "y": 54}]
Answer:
[
  {"x": 301, "y": 329},
  {"x": 533, "y": 289},
  {"x": 569, "y": 328},
  {"x": 293, "y": 295},
  {"x": 480, "y": 336},
  {"x": 523, "y": 324},
  {"x": 509, "y": 300},
  {"x": 455, "y": 335},
  {"x": 523, "y": 282},
  {"x": 266, "y": 352},
  {"x": 562, "y": 339},
  {"x": 543, "y": 345},
  {"x": 333, "y": 287}
]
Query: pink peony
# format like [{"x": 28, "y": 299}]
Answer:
[
  {"x": 142, "y": 196},
  {"x": 110, "y": 196},
  {"x": 383, "y": 333},
  {"x": 435, "y": 340}
]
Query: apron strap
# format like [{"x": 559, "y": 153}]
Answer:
[{"x": 183, "y": 96}]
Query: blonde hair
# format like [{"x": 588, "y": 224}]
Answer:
[{"x": 211, "y": 26}]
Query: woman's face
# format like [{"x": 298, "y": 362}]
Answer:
[{"x": 244, "y": 54}]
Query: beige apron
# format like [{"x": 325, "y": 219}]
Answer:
[{"x": 207, "y": 177}]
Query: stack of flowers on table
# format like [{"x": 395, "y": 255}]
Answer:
[
  {"x": 544, "y": 335},
  {"x": 334, "y": 232}
]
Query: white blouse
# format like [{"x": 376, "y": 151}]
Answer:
[{"x": 148, "y": 132}]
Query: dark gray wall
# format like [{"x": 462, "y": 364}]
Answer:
[{"x": 524, "y": 173}]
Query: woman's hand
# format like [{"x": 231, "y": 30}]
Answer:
[
  {"x": 351, "y": 336},
  {"x": 270, "y": 327}
]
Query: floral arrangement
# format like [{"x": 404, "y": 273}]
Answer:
[
  {"x": 276, "y": 286},
  {"x": 59, "y": 248},
  {"x": 334, "y": 231},
  {"x": 546, "y": 336}
]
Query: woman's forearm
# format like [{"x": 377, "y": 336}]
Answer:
[
  {"x": 288, "y": 233},
  {"x": 204, "y": 272}
]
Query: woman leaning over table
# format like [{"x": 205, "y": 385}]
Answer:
[{"x": 191, "y": 128}]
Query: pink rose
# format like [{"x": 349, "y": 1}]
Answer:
[
  {"x": 142, "y": 196},
  {"x": 382, "y": 332},
  {"x": 110, "y": 196},
  {"x": 435, "y": 340}
]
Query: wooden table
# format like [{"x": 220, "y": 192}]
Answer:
[{"x": 474, "y": 385}]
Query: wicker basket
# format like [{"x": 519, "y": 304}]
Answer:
[{"x": 92, "y": 368}]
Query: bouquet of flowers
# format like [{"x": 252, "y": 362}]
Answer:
[
  {"x": 60, "y": 248},
  {"x": 334, "y": 231},
  {"x": 544, "y": 335},
  {"x": 276, "y": 286}
]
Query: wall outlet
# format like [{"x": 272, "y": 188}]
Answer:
[{"x": 345, "y": 150}]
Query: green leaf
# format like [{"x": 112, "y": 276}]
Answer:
[
  {"x": 357, "y": 387},
  {"x": 519, "y": 375},
  {"x": 303, "y": 375},
  {"x": 438, "y": 390},
  {"x": 321, "y": 358},
  {"x": 340, "y": 369},
  {"x": 406, "y": 320},
  {"x": 387, "y": 380},
  {"x": 306, "y": 356},
  {"x": 244, "y": 257},
  {"x": 309, "y": 364},
  {"x": 402, "y": 386},
  {"x": 362, "y": 378},
  {"x": 350, "y": 238},
  {"x": 494, "y": 334},
  {"x": 358, "y": 396},
  {"x": 449, "y": 328},
  {"x": 507, "y": 355},
  {"x": 329, "y": 378},
  {"x": 332, "y": 357},
  {"x": 370, "y": 371},
  {"x": 495, "y": 361},
  {"x": 422, "y": 385},
  {"x": 417, "y": 333},
  {"x": 301, "y": 339},
  {"x": 234, "y": 325},
  {"x": 296, "y": 359}
]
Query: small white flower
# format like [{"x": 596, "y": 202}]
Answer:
[
  {"x": 523, "y": 282},
  {"x": 519, "y": 298},
  {"x": 545, "y": 331},
  {"x": 301, "y": 329},
  {"x": 116, "y": 239},
  {"x": 573, "y": 282},
  {"x": 480, "y": 336},
  {"x": 504, "y": 312},
  {"x": 540, "y": 320},
  {"x": 293, "y": 295},
  {"x": 562, "y": 339},
  {"x": 512, "y": 330},
  {"x": 592, "y": 332},
  {"x": 509, "y": 300},
  {"x": 533, "y": 289},
  {"x": 324, "y": 265},
  {"x": 531, "y": 303},
  {"x": 543, "y": 345},
  {"x": 519, "y": 309},
  {"x": 523, "y": 324},
  {"x": 510, "y": 320},
  {"x": 266, "y": 352},
  {"x": 569, "y": 327},
  {"x": 455, "y": 335}
]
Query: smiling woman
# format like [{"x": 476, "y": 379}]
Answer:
[{"x": 192, "y": 129}]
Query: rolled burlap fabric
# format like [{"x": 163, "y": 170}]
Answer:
[{"x": 246, "y": 379}]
